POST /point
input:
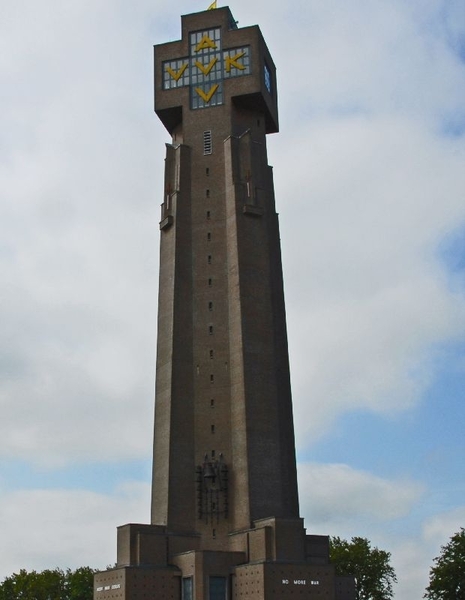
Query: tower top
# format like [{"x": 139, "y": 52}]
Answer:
[{"x": 214, "y": 64}]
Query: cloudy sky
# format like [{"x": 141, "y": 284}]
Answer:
[{"x": 370, "y": 183}]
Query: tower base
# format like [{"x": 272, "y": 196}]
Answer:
[{"x": 272, "y": 560}]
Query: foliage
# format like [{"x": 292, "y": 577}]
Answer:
[
  {"x": 49, "y": 585},
  {"x": 80, "y": 584},
  {"x": 374, "y": 576},
  {"x": 447, "y": 577}
]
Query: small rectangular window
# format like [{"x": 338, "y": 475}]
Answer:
[
  {"x": 209, "y": 237},
  {"x": 207, "y": 193},
  {"x": 208, "y": 214},
  {"x": 207, "y": 142},
  {"x": 210, "y": 329},
  {"x": 212, "y": 428},
  {"x": 210, "y": 282},
  {"x": 210, "y": 306},
  {"x": 212, "y": 378},
  {"x": 209, "y": 259},
  {"x": 211, "y": 354}
]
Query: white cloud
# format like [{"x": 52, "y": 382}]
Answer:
[
  {"x": 439, "y": 528},
  {"x": 77, "y": 220},
  {"x": 44, "y": 529},
  {"x": 412, "y": 557},
  {"x": 411, "y": 562},
  {"x": 339, "y": 500},
  {"x": 369, "y": 303}
]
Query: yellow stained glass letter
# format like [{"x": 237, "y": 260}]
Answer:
[
  {"x": 176, "y": 75},
  {"x": 206, "y": 68},
  {"x": 231, "y": 61},
  {"x": 206, "y": 97},
  {"x": 205, "y": 43}
]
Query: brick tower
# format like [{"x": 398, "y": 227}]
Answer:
[{"x": 225, "y": 515}]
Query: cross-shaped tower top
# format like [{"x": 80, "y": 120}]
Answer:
[{"x": 212, "y": 64}]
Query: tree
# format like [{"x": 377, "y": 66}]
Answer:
[
  {"x": 447, "y": 577},
  {"x": 374, "y": 576},
  {"x": 49, "y": 585},
  {"x": 80, "y": 584}
]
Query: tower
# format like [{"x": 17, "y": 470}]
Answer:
[{"x": 225, "y": 516}]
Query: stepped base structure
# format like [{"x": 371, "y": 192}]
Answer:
[{"x": 225, "y": 518}]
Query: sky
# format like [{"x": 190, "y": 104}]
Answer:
[{"x": 370, "y": 185}]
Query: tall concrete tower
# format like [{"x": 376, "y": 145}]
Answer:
[{"x": 225, "y": 515}]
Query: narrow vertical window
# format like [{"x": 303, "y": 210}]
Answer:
[
  {"x": 207, "y": 193},
  {"x": 267, "y": 76},
  {"x": 208, "y": 214},
  {"x": 211, "y": 354},
  {"x": 210, "y": 329},
  {"x": 209, "y": 259},
  {"x": 212, "y": 428},
  {"x": 210, "y": 306},
  {"x": 187, "y": 588},
  {"x": 207, "y": 171},
  {"x": 210, "y": 282},
  {"x": 212, "y": 378},
  {"x": 209, "y": 237},
  {"x": 207, "y": 142},
  {"x": 212, "y": 404}
]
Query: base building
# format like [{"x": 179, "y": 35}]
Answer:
[{"x": 225, "y": 518}]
